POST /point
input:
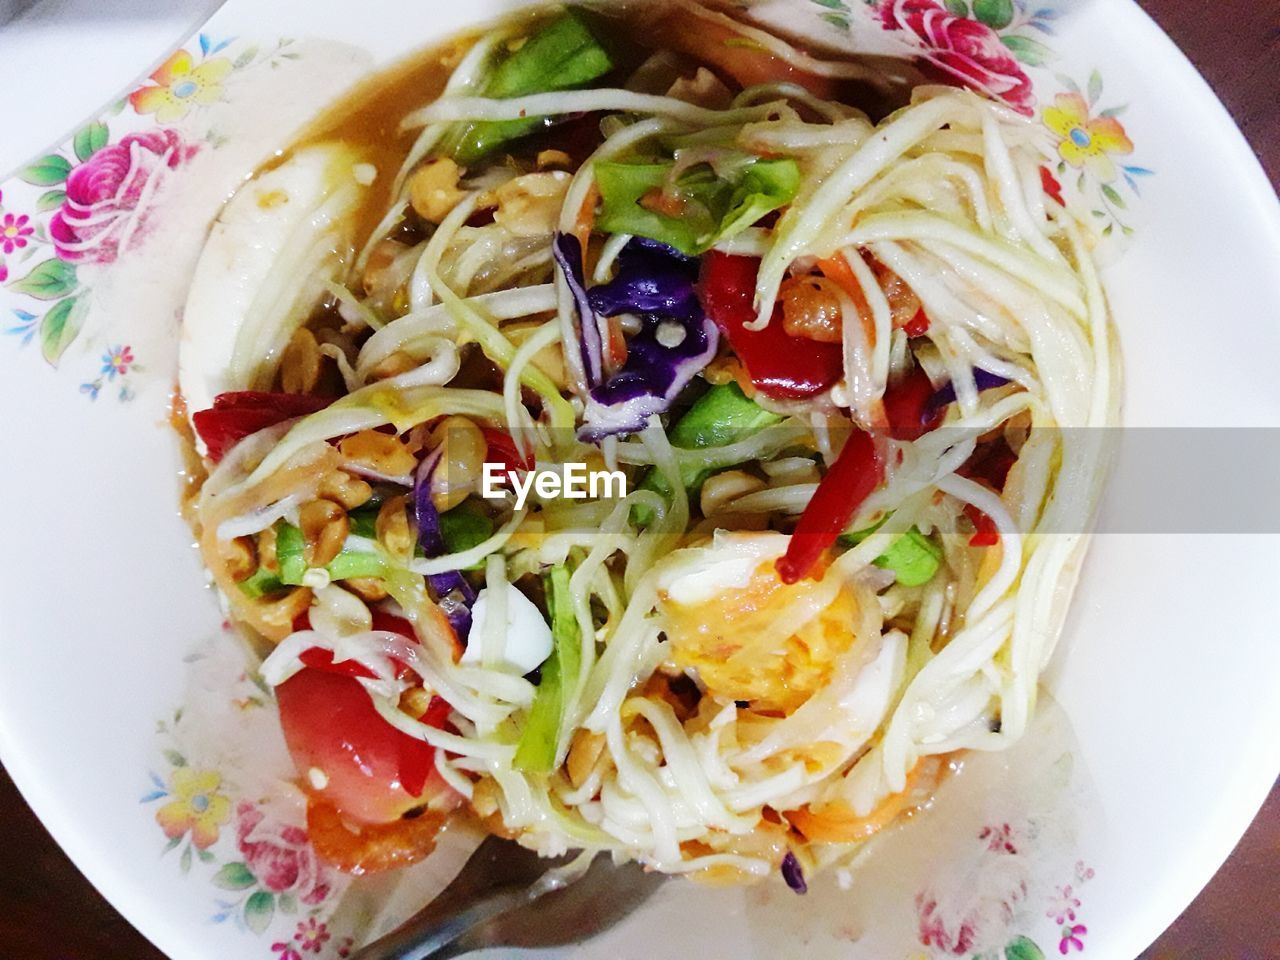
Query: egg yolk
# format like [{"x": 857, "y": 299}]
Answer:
[{"x": 740, "y": 645}]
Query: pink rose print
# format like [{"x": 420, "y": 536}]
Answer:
[
  {"x": 280, "y": 856},
  {"x": 967, "y": 50},
  {"x": 109, "y": 194},
  {"x": 284, "y": 951},
  {"x": 1072, "y": 938},
  {"x": 14, "y": 231}
]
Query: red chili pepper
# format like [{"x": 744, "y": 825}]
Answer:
[
  {"x": 502, "y": 450},
  {"x": 856, "y": 473},
  {"x": 780, "y": 365},
  {"x": 238, "y": 414},
  {"x": 907, "y": 406},
  {"x": 1052, "y": 188},
  {"x": 918, "y": 325},
  {"x": 987, "y": 535},
  {"x": 416, "y": 763}
]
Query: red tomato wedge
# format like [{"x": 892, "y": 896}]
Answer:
[
  {"x": 739, "y": 57},
  {"x": 501, "y": 449},
  {"x": 780, "y": 365},
  {"x": 368, "y": 769},
  {"x": 907, "y": 405},
  {"x": 235, "y": 416}
]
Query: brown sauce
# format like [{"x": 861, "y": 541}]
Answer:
[{"x": 368, "y": 117}]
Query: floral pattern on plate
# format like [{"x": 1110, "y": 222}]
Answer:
[
  {"x": 1004, "y": 50},
  {"x": 242, "y": 833},
  {"x": 72, "y": 213}
]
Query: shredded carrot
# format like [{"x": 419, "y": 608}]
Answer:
[
  {"x": 836, "y": 822},
  {"x": 587, "y": 216}
]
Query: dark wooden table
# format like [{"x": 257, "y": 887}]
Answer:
[{"x": 49, "y": 912}]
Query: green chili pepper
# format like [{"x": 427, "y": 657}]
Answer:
[{"x": 561, "y": 55}]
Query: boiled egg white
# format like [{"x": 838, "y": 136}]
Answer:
[
  {"x": 695, "y": 575},
  {"x": 278, "y": 241},
  {"x": 527, "y": 641}
]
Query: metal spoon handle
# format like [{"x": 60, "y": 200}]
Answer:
[{"x": 429, "y": 936}]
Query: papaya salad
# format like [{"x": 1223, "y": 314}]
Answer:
[{"x": 831, "y": 343}]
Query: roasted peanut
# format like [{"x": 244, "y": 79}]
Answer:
[
  {"x": 721, "y": 489},
  {"x": 240, "y": 558},
  {"x": 369, "y": 589},
  {"x": 415, "y": 701},
  {"x": 553, "y": 160},
  {"x": 300, "y": 363},
  {"x": 282, "y": 612},
  {"x": 433, "y": 189},
  {"x": 461, "y": 461},
  {"x": 393, "y": 530},
  {"x": 811, "y": 308},
  {"x": 324, "y": 527},
  {"x": 703, "y": 89},
  {"x": 392, "y": 365},
  {"x": 550, "y": 359},
  {"x": 377, "y": 268},
  {"x": 344, "y": 489},
  {"x": 381, "y": 453},
  {"x": 267, "y": 550},
  {"x": 584, "y": 752},
  {"x": 529, "y": 206}
]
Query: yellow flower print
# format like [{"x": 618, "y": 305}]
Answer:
[
  {"x": 1086, "y": 142},
  {"x": 180, "y": 86},
  {"x": 195, "y": 807}
]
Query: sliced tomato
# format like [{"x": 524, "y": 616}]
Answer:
[
  {"x": 780, "y": 365},
  {"x": 908, "y": 406},
  {"x": 918, "y": 325},
  {"x": 739, "y": 57},
  {"x": 238, "y": 414},
  {"x": 990, "y": 463},
  {"x": 367, "y": 768},
  {"x": 501, "y": 449}
]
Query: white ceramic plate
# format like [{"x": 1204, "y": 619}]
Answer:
[{"x": 1166, "y": 675}]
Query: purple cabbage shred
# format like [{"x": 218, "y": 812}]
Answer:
[
  {"x": 567, "y": 250},
  {"x": 792, "y": 873},
  {"x": 455, "y": 593},
  {"x": 982, "y": 379},
  {"x": 675, "y": 342}
]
